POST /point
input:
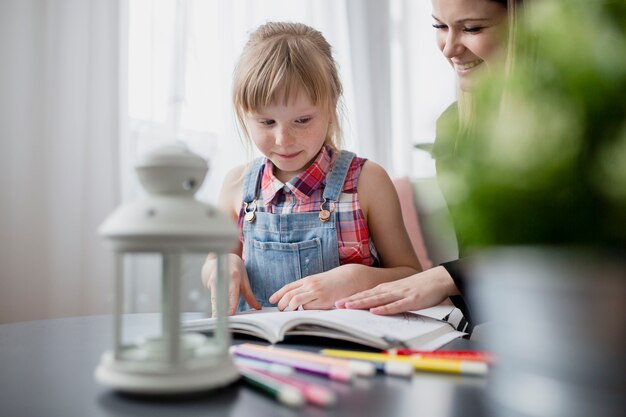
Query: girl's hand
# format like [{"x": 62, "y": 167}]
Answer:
[
  {"x": 238, "y": 283},
  {"x": 319, "y": 291},
  {"x": 416, "y": 292}
]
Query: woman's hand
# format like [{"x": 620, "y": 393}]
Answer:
[
  {"x": 422, "y": 290},
  {"x": 239, "y": 283},
  {"x": 320, "y": 291}
]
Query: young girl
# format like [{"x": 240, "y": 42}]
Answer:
[
  {"x": 317, "y": 223},
  {"x": 472, "y": 36}
]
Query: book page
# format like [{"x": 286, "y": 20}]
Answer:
[
  {"x": 270, "y": 319},
  {"x": 268, "y": 323},
  {"x": 401, "y": 330},
  {"x": 397, "y": 330}
]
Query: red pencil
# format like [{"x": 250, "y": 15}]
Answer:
[{"x": 466, "y": 355}]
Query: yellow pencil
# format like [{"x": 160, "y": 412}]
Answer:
[{"x": 454, "y": 366}]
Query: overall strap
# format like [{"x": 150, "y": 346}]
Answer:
[
  {"x": 337, "y": 176},
  {"x": 252, "y": 180}
]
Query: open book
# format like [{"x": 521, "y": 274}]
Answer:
[{"x": 411, "y": 330}]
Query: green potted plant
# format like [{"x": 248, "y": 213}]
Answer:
[{"x": 542, "y": 186}]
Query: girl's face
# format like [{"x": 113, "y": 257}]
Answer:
[
  {"x": 471, "y": 35},
  {"x": 289, "y": 135}
]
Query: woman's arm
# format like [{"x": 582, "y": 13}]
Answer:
[{"x": 418, "y": 291}]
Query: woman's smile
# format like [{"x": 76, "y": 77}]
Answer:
[{"x": 463, "y": 68}]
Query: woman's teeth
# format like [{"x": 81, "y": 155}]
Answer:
[{"x": 469, "y": 65}]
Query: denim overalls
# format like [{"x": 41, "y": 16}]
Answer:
[{"x": 282, "y": 248}]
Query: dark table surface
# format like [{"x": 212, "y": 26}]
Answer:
[{"x": 47, "y": 367}]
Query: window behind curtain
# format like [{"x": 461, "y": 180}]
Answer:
[{"x": 175, "y": 84}]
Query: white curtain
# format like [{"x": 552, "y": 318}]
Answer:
[
  {"x": 59, "y": 155},
  {"x": 370, "y": 53},
  {"x": 398, "y": 83}
]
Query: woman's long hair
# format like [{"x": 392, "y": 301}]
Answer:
[{"x": 465, "y": 102}]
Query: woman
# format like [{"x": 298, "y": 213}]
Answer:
[{"x": 472, "y": 35}]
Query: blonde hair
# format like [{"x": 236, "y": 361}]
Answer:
[
  {"x": 465, "y": 102},
  {"x": 279, "y": 61}
]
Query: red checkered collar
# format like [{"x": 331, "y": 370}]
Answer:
[{"x": 302, "y": 185}]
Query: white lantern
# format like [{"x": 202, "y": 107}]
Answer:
[{"x": 169, "y": 221}]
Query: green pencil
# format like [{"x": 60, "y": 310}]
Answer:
[{"x": 283, "y": 393}]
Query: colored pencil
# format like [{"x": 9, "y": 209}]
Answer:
[
  {"x": 420, "y": 364},
  {"x": 360, "y": 368},
  {"x": 466, "y": 355},
  {"x": 313, "y": 393},
  {"x": 272, "y": 368},
  {"x": 281, "y": 392},
  {"x": 336, "y": 373}
]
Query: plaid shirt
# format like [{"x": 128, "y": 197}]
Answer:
[{"x": 303, "y": 194}]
